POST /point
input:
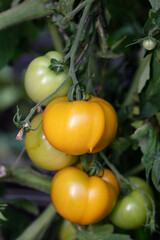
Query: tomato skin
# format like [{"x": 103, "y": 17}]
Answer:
[
  {"x": 82, "y": 199},
  {"x": 40, "y": 81},
  {"x": 149, "y": 44},
  {"x": 42, "y": 153},
  {"x": 79, "y": 126},
  {"x": 130, "y": 212}
]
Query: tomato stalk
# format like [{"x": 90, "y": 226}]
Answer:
[
  {"x": 27, "y": 177},
  {"x": 92, "y": 169},
  {"x": 24, "y": 11},
  {"x": 74, "y": 48},
  {"x": 21, "y": 123}
]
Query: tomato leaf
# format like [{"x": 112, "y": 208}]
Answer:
[
  {"x": 100, "y": 232},
  {"x": 149, "y": 144},
  {"x": 25, "y": 205},
  {"x": 2, "y": 207},
  {"x": 66, "y": 6},
  {"x": 156, "y": 171},
  {"x": 155, "y": 4},
  {"x": 149, "y": 97},
  {"x": 121, "y": 144},
  {"x": 145, "y": 72}
]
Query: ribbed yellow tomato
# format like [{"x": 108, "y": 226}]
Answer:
[
  {"x": 82, "y": 199},
  {"x": 81, "y": 126},
  {"x": 42, "y": 153}
]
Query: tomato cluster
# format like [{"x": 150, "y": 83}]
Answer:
[{"x": 69, "y": 129}]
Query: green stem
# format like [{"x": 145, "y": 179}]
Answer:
[
  {"x": 32, "y": 111},
  {"x": 102, "y": 38},
  {"x": 26, "y": 176},
  {"x": 39, "y": 226},
  {"x": 135, "y": 170},
  {"x": 27, "y": 10},
  {"x": 74, "y": 47},
  {"x": 55, "y": 37},
  {"x": 71, "y": 14}
]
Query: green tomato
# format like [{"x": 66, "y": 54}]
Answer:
[
  {"x": 66, "y": 231},
  {"x": 42, "y": 153},
  {"x": 149, "y": 44},
  {"x": 130, "y": 211},
  {"x": 40, "y": 81}
]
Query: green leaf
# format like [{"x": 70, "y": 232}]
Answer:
[
  {"x": 149, "y": 144},
  {"x": 155, "y": 4},
  {"x": 156, "y": 171},
  {"x": 66, "y": 6},
  {"x": 37, "y": 229},
  {"x": 2, "y": 217},
  {"x": 119, "y": 236},
  {"x": 145, "y": 72},
  {"x": 100, "y": 232},
  {"x": 2, "y": 207},
  {"x": 27, "y": 177},
  {"x": 121, "y": 143},
  {"x": 149, "y": 97},
  {"x": 24, "y": 204}
]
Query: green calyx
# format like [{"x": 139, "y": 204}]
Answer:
[{"x": 76, "y": 93}]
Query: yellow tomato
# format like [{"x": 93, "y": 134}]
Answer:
[
  {"x": 82, "y": 199},
  {"x": 42, "y": 153},
  {"x": 81, "y": 126}
]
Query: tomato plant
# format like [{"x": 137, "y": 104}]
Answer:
[
  {"x": 131, "y": 211},
  {"x": 103, "y": 55},
  {"x": 40, "y": 81},
  {"x": 82, "y": 199},
  {"x": 79, "y": 126},
  {"x": 149, "y": 44},
  {"x": 42, "y": 153}
]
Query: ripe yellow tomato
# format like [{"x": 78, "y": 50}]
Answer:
[
  {"x": 42, "y": 153},
  {"x": 81, "y": 126},
  {"x": 40, "y": 81},
  {"x": 82, "y": 199}
]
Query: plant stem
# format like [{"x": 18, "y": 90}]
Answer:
[
  {"x": 27, "y": 177},
  {"x": 39, "y": 226},
  {"x": 71, "y": 14},
  {"x": 27, "y": 10},
  {"x": 74, "y": 47},
  {"x": 57, "y": 42},
  {"x": 102, "y": 40},
  {"x": 135, "y": 170},
  {"x": 32, "y": 111}
]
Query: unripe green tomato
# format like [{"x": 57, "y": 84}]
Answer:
[
  {"x": 149, "y": 44},
  {"x": 42, "y": 153},
  {"x": 40, "y": 81},
  {"x": 130, "y": 211},
  {"x": 66, "y": 231}
]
